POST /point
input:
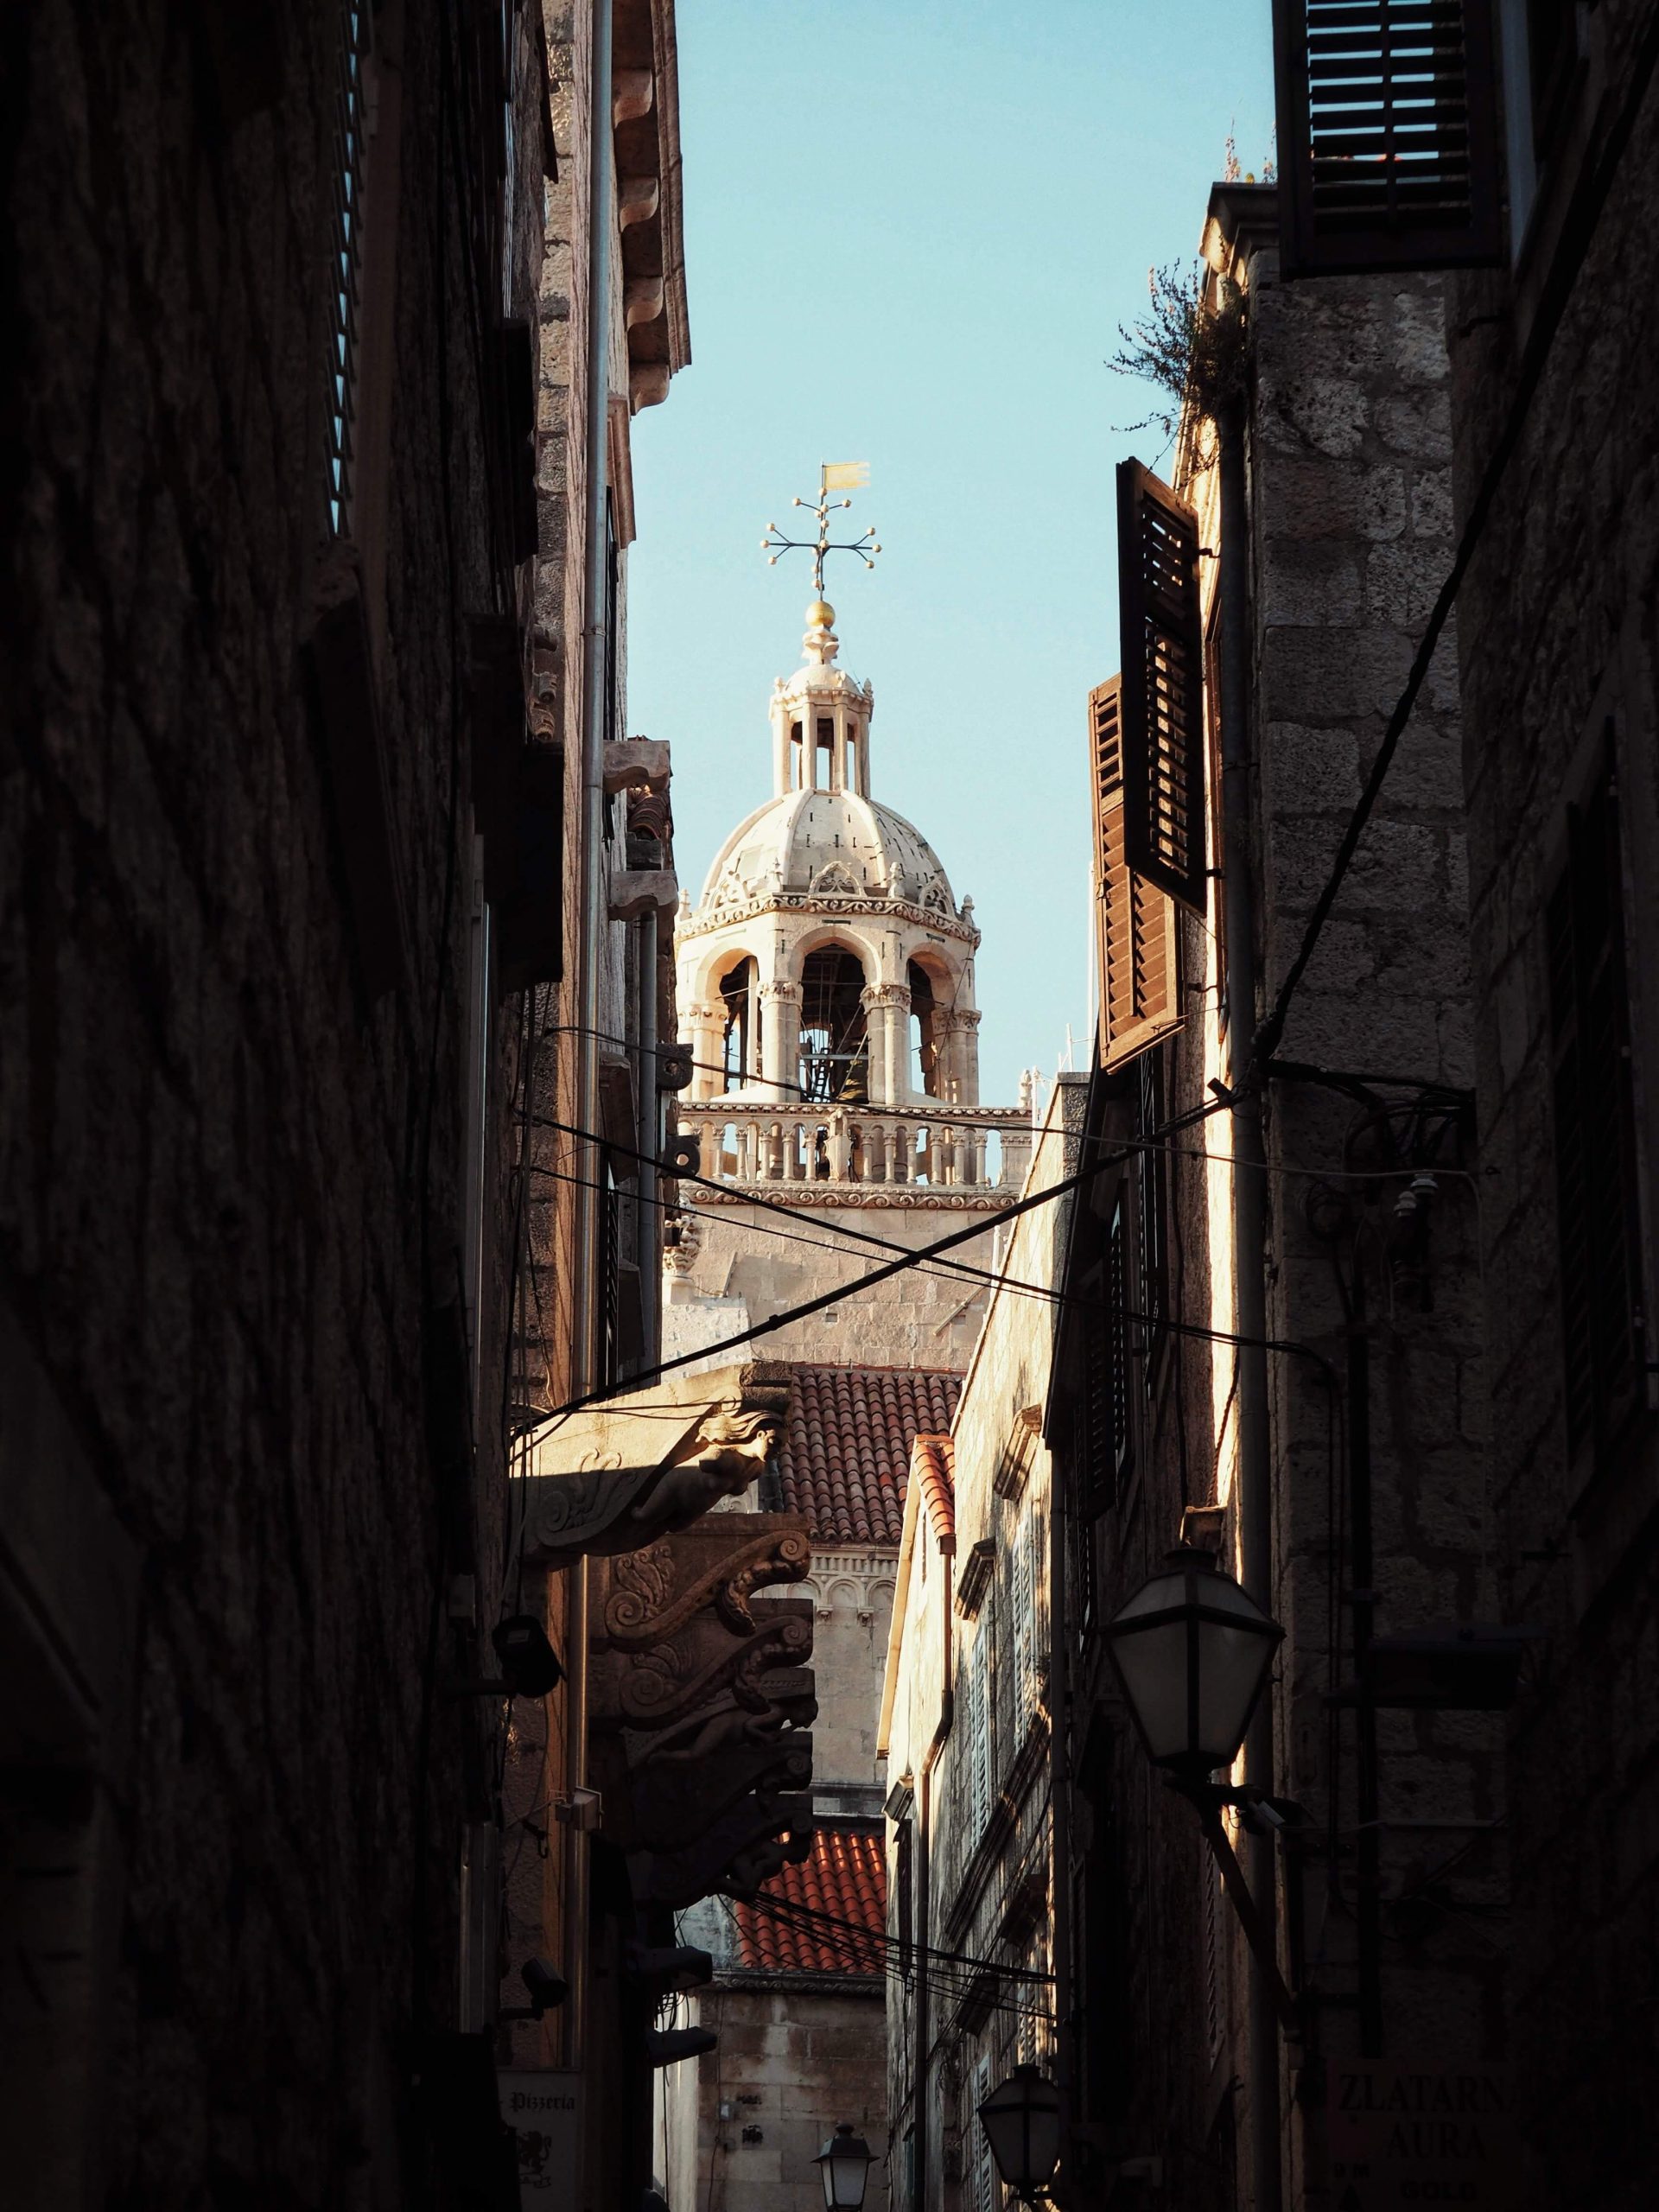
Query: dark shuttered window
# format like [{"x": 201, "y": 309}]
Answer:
[
  {"x": 1595, "y": 1149},
  {"x": 1388, "y": 135},
  {"x": 1134, "y": 922},
  {"x": 1164, "y": 736}
]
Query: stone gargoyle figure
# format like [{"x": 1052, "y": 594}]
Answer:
[{"x": 617, "y": 1476}]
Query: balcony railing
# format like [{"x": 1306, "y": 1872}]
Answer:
[{"x": 941, "y": 1151}]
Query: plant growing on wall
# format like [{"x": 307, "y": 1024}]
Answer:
[{"x": 1189, "y": 346}]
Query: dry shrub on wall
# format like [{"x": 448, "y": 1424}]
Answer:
[{"x": 1189, "y": 346}]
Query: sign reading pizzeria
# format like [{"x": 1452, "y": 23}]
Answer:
[{"x": 1431, "y": 2139}]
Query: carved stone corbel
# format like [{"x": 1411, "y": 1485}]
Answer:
[
  {"x": 730, "y": 1855},
  {"x": 616, "y": 1477}
]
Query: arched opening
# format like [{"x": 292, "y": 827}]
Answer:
[
  {"x": 924, "y": 1032},
  {"x": 740, "y": 1038},
  {"x": 834, "y": 1047}
]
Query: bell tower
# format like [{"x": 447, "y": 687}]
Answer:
[{"x": 826, "y": 990}]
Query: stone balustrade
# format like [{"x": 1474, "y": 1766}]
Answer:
[{"x": 979, "y": 1151}]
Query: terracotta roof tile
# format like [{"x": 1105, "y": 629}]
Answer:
[
  {"x": 845, "y": 1456},
  {"x": 933, "y": 1465},
  {"x": 845, "y": 1878}
]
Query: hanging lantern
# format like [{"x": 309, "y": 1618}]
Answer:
[
  {"x": 1022, "y": 2122},
  {"x": 1192, "y": 1649}
]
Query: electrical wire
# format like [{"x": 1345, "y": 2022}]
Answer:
[{"x": 1015, "y": 1285}]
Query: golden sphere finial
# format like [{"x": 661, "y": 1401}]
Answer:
[{"x": 820, "y": 615}]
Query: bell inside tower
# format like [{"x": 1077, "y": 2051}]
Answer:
[{"x": 834, "y": 1043}]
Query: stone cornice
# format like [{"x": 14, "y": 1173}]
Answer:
[
  {"x": 904, "y": 1196},
  {"x": 833, "y": 905}
]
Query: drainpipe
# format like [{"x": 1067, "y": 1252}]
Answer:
[
  {"x": 919, "y": 2076},
  {"x": 595, "y": 919},
  {"x": 1254, "y": 1484},
  {"x": 648, "y": 1140}
]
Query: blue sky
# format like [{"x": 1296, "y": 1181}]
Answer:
[{"x": 913, "y": 230}]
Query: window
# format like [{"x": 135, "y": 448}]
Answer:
[
  {"x": 985, "y": 2191},
  {"x": 834, "y": 1049},
  {"x": 823, "y": 768},
  {"x": 1118, "y": 1361},
  {"x": 1161, "y": 687},
  {"x": 1388, "y": 138},
  {"x": 1152, "y": 1214},
  {"x": 1027, "y": 1651},
  {"x": 350, "y": 138},
  {"x": 1597, "y": 1218},
  {"x": 740, "y": 1037},
  {"x": 979, "y": 1729},
  {"x": 1136, "y": 970},
  {"x": 924, "y": 1031}
]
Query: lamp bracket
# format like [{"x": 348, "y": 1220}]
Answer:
[{"x": 1208, "y": 1800}]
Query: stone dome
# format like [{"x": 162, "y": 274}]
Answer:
[{"x": 826, "y": 843}]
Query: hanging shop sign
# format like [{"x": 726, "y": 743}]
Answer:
[
  {"x": 543, "y": 2108},
  {"x": 1412, "y": 2138}
]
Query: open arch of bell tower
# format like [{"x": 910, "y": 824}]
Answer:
[{"x": 826, "y": 991}]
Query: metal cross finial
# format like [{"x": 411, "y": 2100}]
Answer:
[{"x": 832, "y": 477}]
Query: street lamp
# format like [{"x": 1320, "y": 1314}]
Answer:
[
  {"x": 1191, "y": 1650},
  {"x": 1022, "y": 2122},
  {"x": 843, "y": 2167}
]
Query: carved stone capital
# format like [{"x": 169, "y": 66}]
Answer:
[
  {"x": 782, "y": 993},
  {"x": 880, "y": 994}
]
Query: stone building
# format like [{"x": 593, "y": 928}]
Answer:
[
  {"x": 271, "y": 299},
  {"x": 1552, "y": 423},
  {"x": 1288, "y": 1368},
  {"x": 967, "y": 1727}
]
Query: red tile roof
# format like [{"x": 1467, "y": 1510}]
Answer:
[
  {"x": 845, "y": 1879},
  {"x": 933, "y": 1465},
  {"x": 845, "y": 1457}
]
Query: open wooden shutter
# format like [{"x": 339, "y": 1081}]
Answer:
[
  {"x": 1134, "y": 922},
  {"x": 1164, "y": 746},
  {"x": 1388, "y": 135}
]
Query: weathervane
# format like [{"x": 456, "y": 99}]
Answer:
[{"x": 833, "y": 476}]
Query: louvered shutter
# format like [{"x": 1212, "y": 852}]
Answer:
[
  {"x": 1388, "y": 136},
  {"x": 979, "y": 1730},
  {"x": 1023, "y": 1627},
  {"x": 1164, "y": 743},
  {"x": 985, "y": 2188},
  {"x": 1135, "y": 923}
]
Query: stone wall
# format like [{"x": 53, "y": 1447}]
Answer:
[
  {"x": 1557, "y": 624},
  {"x": 246, "y": 1533},
  {"x": 798, "y": 2054}
]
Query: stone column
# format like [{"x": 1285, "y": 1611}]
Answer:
[
  {"x": 887, "y": 1015},
  {"x": 779, "y": 1006},
  {"x": 958, "y": 1031},
  {"x": 706, "y": 1024}
]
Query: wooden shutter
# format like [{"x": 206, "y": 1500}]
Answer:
[
  {"x": 1163, "y": 741},
  {"x": 1596, "y": 1214},
  {"x": 1134, "y": 922},
  {"x": 979, "y": 1730},
  {"x": 1388, "y": 135},
  {"x": 985, "y": 2188},
  {"x": 1025, "y": 1626}
]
